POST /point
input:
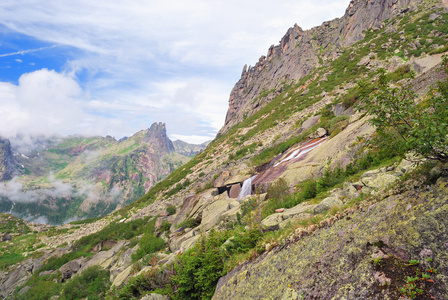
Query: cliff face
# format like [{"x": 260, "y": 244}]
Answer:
[
  {"x": 300, "y": 52},
  {"x": 8, "y": 164}
]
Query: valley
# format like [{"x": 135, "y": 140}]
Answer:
[
  {"x": 84, "y": 177},
  {"x": 309, "y": 191}
]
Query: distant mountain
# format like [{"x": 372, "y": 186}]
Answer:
[
  {"x": 187, "y": 149},
  {"x": 9, "y": 166},
  {"x": 77, "y": 177}
]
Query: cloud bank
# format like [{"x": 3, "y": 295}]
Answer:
[{"x": 126, "y": 64}]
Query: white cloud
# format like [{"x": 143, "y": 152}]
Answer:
[
  {"x": 146, "y": 61},
  {"x": 43, "y": 101}
]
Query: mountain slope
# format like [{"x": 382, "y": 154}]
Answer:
[
  {"x": 300, "y": 52},
  {"x": 80, "y": 177},
  {"x": 9, "y": 167},
  {"x": 291, "y": 182}
]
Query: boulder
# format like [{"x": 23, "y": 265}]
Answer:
[
  {"x": 378, "y": 180},
  {"x": 24, "y": 290},
  {"x": 235, "y": 190},
  {"x": 326, "y": 204},
  {"x": 320, "y": 132},
  {"x": 310, "y": 122},
  {"x": 16, "y": 278},
  {"x": 6, "y": 237},
  {"x": 187, "y": 206},
  {"x": 235, "y": 179},
  {"x": 279, "y": 220},
  {"x": 104, "y": 259},
  {"x": 155, "y": 297},
  {"x": 182, "y": 242},
  {"x": 123, "y": 261},
  {"x": 223, "y": 177},
  {"x": 43, "y": 273},
  {"x": 203, "y": 199},
  {"x": 212, "y": 213},
  {"x": 121, "y": 278},
  {"x": 71, "y": 268}
]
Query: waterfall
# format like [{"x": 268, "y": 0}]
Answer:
[
  {"x": 303, "y": 150},
  {"x": 12, "y": 207},
  {"x": 247, "y": 187}
]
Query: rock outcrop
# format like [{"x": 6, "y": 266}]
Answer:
[
  {"x": 299, "y": 52},
  {"x": 9, "y": 167},
  {"x": 338, "y": 261},
  {"x": 156, "y": 135}
]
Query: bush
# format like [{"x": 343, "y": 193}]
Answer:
[
  {"x": 278, "y": 189},
  {"x": 41, "y": 290},
  {"x": 137, "y": 286},
  {"x": 55, "y": 263},
  {"x": 116, "y": 231},
  {"x": 199, "y": 268},
  {"x": 92, "y": 283},
  {"x": 188, "y": 223},
  {"x": 149, "y": 243},
  {"x": 165, "y": 227},
  {"x": 244, "y": 241},
  {"x": 171, "y": 210},
  {"x": 402, "y": 126}
]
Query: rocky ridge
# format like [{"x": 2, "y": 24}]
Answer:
[
  {"x": 300, "y": 52},
  {"x": 352, "y": 237}
]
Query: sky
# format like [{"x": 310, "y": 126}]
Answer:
[{"x": 115, "y": 67}]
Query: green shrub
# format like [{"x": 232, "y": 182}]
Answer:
[
  {"x": 92, "y": 283},
  {"x": 149, "y": 243},
  {"x": 55, "y": 263},
  {"x": 243, "y": 241},
  {"x": 199, "y": 268},
  {"x": 137, "y": 286},
  {"x": 41, "y": 290},
  {"x": 402, "y": 126},
  {"x": 188, "y": 223},
  {"x": 278, "y": 190},
  {"x": 117, "y": 231},
  {"x": 165, "y": 227},
  {"x": 171, "y": 210}
]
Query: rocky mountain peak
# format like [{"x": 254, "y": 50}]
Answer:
[
  {"x": 157, "y": 136},
  {"x": 299, "y": 52},
  {"x": 8, "y": 164}
]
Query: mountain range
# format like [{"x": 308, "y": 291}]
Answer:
[
  {"x": 304, "y": 193},
  {"x": 68, "y": 178}
]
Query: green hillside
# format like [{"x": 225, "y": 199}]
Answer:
[{"x": 328, "y": 180}]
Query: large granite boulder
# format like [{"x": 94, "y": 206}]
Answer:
[
  {"x": 327, "y": 203},
  {"x": 279, "y": 220},
  {"x": 71, "y": 268}
]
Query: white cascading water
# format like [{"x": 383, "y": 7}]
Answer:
[
  {"x": 303, "y": 150},
  {"x": 246, "y": 189},
  {"x": 12, "y": 207}
]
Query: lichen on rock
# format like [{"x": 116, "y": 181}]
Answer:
[{"x": 335, "y": 262}]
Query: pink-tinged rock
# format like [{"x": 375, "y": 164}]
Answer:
[
  {"x": 279, "y": 210},
  {"x": 235, "y": 191}
]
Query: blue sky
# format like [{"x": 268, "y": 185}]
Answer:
[{"x": 115, "y": 67}]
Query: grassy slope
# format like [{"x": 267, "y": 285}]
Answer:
[{"x": 338, "y": 73}]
